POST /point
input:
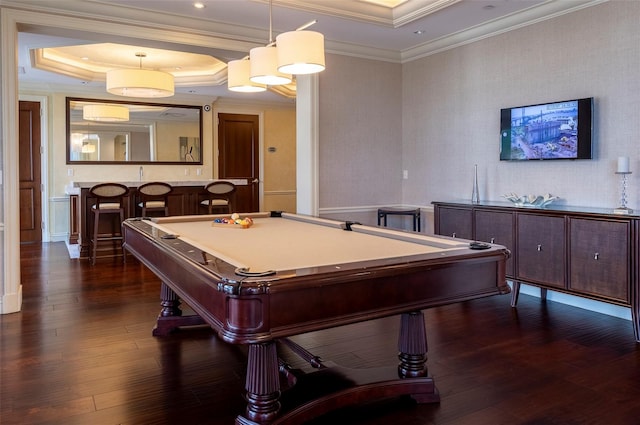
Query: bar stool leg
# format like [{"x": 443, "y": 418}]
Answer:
[
  {"x": 94, "y": 240},
  {"x": 124, "y": 252}
]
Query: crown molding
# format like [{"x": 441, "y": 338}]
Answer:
[
  {"x": 548, "y": 10},
  {"x": 233, "y": 41}
]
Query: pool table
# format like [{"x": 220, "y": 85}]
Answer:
[{"x": 289, "y": 274}]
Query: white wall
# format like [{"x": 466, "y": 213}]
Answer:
[
  {"x": 360, "y": 133},
  {"x": 452, "y": 100}
]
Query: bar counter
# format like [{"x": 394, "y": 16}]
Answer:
[{"x": 184, "y": 200}]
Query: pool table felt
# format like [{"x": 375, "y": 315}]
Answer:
[{"x": 286, "y": 244}]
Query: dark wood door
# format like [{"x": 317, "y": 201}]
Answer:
[
  {"x": 29, "y": 171},
  {"x": 238, "y": 157}
]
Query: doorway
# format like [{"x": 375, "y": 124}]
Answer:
[
  {"x": 239, "y": 157},
  {"x": 29, "y": 170}
]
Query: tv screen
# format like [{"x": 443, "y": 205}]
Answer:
[{"x": 558, "y": 130}]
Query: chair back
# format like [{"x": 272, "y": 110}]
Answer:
[
  {"x": 154, "y": 191},
  {"x": 220, "y": 188},
  {"x": 154, "y": 197},
  {"x": 222, "y": 192},
  {"x": 109, "y": 194}
]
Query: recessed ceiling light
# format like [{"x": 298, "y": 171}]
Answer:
[
  {"x": 419, "y": 32},
  {"x": 199, "y": 5}
]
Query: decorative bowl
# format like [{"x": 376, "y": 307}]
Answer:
[{"x": 539, "y": 201}]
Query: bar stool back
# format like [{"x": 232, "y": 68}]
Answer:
[
  {"x": 110, "y": 202},
  {"x": 154, "y": 197},
  {"x": 219, "y": 196}
]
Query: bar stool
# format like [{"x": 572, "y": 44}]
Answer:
[
  {"x": 109, "y": 202},
  {"x": 154, "y": 197},
  {"x": 219, "y": 196}
]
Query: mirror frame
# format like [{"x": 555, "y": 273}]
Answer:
[{"x": 122, "y": 102}]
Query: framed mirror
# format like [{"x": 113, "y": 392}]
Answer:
[{"x": 124, "y": 132}]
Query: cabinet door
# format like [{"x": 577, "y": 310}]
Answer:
[
  {"x": 455, "y": 222},
  {"x": 496, "y": 227},
  {"x": 599, "y": 258},
  {"x": 541, "y": 250}
]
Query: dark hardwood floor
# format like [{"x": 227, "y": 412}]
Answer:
[{"x": 81, "y": 352}]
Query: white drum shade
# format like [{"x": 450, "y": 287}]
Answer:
[
  {"x": 140, "y": 83},
  {"x": 238, "y": 77},
  {"x": 300, "y": 52},
  {"x": 105, "y": 113},
  {"x": 264, "y": 67}
]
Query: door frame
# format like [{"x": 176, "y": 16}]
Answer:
[
  {"x": 44, "y": 160},
  {"x": 239, "y": 109}
]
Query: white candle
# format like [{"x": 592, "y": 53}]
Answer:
[{"x": 623, "y": 164}]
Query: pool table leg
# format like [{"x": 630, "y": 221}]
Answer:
[
  {"x": 262, "y": 385},
  {"x": 170, "y": 317},
  {"x": 412, "y": 345}
]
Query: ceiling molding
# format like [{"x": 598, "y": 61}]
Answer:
[
  {"x": 90, "y": 62},
  {"x": 369, "y": 13},
  {"x": 548, "y": 10},
  {"x": 99, "y": 26}
]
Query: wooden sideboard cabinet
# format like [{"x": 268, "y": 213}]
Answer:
[
  {"x": 455, "y": 221},
  {"x": 586, "y": 252},
  {"x": 541, "y": 250},
  {"x": 599, "y": 253},
  {"x": 496, "y": 227}
]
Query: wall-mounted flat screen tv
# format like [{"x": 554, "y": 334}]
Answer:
[{"x": 558, "y": 130}]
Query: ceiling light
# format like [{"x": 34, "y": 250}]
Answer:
[
  {"x": 105, "y": 113},
  {"x": 198, "y": 5},
  {"x": 238, "y": 73},
  {"x": 140, "y": 82}
]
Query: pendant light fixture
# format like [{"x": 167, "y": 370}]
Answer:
[
  {"x": 302, "y": 53},
  {"x": 88, "y": 146},
  {"x": 105, "y": 113},
  {"x": 238, "y": 77},
  {"x": 140, "y": 82},
  {"x": 264, "y": 62}
]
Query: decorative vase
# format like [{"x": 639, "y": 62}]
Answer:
[{"x": 475, "y": 195}]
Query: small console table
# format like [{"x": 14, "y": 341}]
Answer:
[{"x": 414, "y": 212}]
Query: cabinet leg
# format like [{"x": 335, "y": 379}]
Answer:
[
  {"x": 515, "y": 292},
  {"x": 635, "y": 318}
]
